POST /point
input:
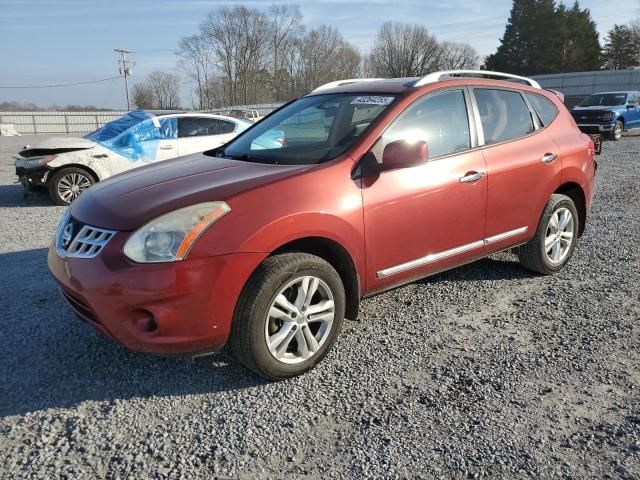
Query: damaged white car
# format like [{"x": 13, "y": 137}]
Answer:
[{"x": 67, "y": 166}]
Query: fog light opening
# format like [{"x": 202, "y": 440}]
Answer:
[{"x": 150, "y": 324}]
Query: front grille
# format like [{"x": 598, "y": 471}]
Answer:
[
  {"x": 591, "y": 116},
  {"x": 89, "y": 242},
  {"x": 78, "y": 240}
]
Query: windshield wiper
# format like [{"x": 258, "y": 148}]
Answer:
[{"x": 245, "y": 157}]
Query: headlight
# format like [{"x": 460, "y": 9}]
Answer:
[
  {"x": 32, "y": 162},
  {"x": 169, "y": 238},
  {"x": 607, "y": 116}
]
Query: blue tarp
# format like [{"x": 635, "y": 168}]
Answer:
[
  {"x": 116, "y": 127},
  {"x": 136, "y": 135}
]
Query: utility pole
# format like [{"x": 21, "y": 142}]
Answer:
[{"x": 124, "y": 69}]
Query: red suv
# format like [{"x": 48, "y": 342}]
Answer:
[{"x": 268, "y": 246}]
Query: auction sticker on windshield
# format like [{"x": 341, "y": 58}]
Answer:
[{"x": 372, "y": 100}]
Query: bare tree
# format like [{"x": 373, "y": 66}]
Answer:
[
  {"x": 196, "y": 61},
  {"x": 142, "y": 96},
  {"x": 245, "y": 55},
  {"x": 404, "y": 51},
  {"x": 322, "y": 56},
  {"x": 164, "y": 88},
  {"x": 286, "y": 28},
  {"x": 458, "y": 56},
  {"x": 240, "y": 40}
]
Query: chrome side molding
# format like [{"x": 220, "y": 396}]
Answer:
[
  {"x": 434, "y": 257},
  {"x": 505, "y": 235}
]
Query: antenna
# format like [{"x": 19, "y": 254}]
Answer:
[{"x": 124, "y": 70}]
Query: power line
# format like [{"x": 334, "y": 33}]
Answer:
[
  {"x": 125, "y": 71},
  {"x": 61, "y": 84}
]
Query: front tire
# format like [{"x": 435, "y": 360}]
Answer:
[
  {"x": 68, "y": 183},
  {"x": 552, "y": 246},
  {"x": 616, "y": 133},
  {"x": 288, "y": 316}
]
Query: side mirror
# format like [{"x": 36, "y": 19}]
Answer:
[
  {"x": 631, "y": 105},
  {"x": 403, "y": 154}
]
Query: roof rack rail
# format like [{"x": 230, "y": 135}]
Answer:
[
  {"x": 338, "y": 83},
  {"x": 436, "y": 76}
]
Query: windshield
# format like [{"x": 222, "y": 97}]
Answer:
[
  {"x": 116, "y": 127},
  {"x": 604, "y": 100},
  {"x": 310, "y": 130}
]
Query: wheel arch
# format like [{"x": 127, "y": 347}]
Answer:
[
  {"x": 576, "y": 193},
  {"x": 339, "y": 258},
  {"x": 89, "y": 170}
]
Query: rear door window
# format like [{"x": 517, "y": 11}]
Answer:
[
  {"x": 504, "y": 115},
  {"x": 201, "y": 126},
  {"x": 544, "y": 107}
]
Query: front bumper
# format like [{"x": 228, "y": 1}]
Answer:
[
  {"x": 172, "y": 308},
  {"x": 31, "y": 173},
  {"x": 595, "y": 127}
]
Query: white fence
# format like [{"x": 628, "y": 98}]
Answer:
[
  {"x": 83, "y": 122},
  {"x": 262, "y": 108},
  {"x": 58, "y": 122}
]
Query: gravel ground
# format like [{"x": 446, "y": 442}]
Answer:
[{"x": 484, "y": 371}]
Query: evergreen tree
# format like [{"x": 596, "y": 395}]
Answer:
[
  {"x": 621, "y": 48},
  {"x": 579, "y": 48},
  {"x": 542, "y": 38}
]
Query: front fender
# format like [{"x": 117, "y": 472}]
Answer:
[
  {"x": 304, "y": 225},
  {"x": 218, "y": 240},
  {"x": 95, "y": 159}
]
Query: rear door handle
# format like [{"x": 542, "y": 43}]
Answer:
[
  {"x": 166, "y": 147},
  {"x": 471, "y": 177},
  {"x": 548, "y": 158}
]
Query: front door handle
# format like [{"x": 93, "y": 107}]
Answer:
[
  {"x": 471, "y": 177},
  {"x": 166, "y": 147},
  {"x": 548, "y": 158}
]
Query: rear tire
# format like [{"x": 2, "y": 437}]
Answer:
[
  {"x": 616, "y": 133},
  {"x": 555, "y": 239},
  {"x": 288, "y": 316},
  {"x": 68, "y": 183}
]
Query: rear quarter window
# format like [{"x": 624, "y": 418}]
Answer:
[{"x": 544, "y": 107}]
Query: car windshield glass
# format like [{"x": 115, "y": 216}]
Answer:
[
  {"x": 310, "y": 130},
  {"x": 604, "y": 100},
  {"x": 116, "y": 127}
]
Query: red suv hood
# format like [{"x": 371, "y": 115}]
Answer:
[{"x": 127, "y": 201}]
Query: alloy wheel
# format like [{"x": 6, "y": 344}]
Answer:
[
  {"x": 617, "y": 131},
  {"x": 299, "y": 320},
  {"x": 70, "y": 186},
  {"x": 560, "y": 235}
]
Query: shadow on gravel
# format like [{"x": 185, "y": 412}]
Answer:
[
  {"x": 13, "y": 196},
  {"x": 507, "y": 267},
  {"x": 50, "y": 359}
]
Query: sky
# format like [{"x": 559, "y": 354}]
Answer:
[{"x": 44, "y": 42}]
